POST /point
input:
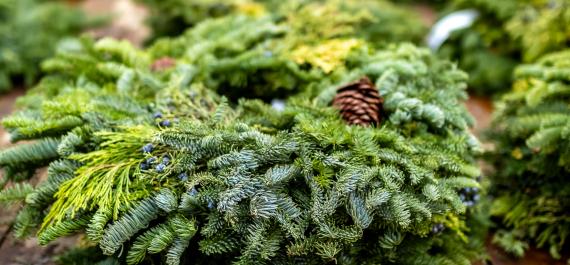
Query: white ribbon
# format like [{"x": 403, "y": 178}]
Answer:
[{"x": 442, "y": 29}]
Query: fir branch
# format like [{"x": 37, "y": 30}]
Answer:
[
  {"x": 219, "y": 245},
  {"x": 137, "y": 218},
  {"x": 36, "y": 128},
  {"x": 15, "y": 193},
  {"x": 35, "y": 153},
  {"x": 139, "y": 248},
  {"x": 176, "y": 250},
  {"x": 63, "y": 228},
  {"x": 162, "y": 239},
  {"x": 97, "y": 224},
  {"x": 27, "y": 221},
  {"x": 58, "y": 172}
]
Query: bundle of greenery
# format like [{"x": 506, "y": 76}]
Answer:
[
  {"x": 505, "y": 34},
  {"x": 379, "y": 21},
  {"x": 29, "y": 32},
  {"x": 154, "y": 166},
  {"x": 532, "y": 156}
]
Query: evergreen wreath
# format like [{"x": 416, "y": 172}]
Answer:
[
  {"x": 153, "y": 165},
  {"x": 29, "y": 32},
  {"x": 532, "y": 158},
  {"x": 173, "y": 17},
  {"x": 505, "y": 34},
  {"x": 378, "y": 21}
]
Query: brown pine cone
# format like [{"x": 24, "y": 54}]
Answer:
[{"x": 359, "y": 103}]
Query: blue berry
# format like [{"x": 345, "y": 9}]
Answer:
[
  {"x": 160, "y": 168},
  {"x": 165, "y": 123},
  {"x": 151, "y": 160},
  {"x": 183, "y": 177},
  {"x": 166, "y": 160},
  {"x": 157, "y": 115},
  {"x": 267, "y": 54},
  {"x": 193, "y": 191},
  {"x": 437, "y": 228},
  {"x": 476, "y": 197},
  {"x": 278, "y": 104},
  {"x": 148, "y": 148},
  {"x": 144, "y": 166},
  {"x": 469, "y": 196},
  {"x": 210, "y": 205}
]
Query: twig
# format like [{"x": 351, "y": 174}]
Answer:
[{"x": 5, "y": 235}]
